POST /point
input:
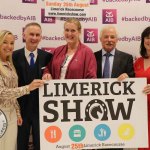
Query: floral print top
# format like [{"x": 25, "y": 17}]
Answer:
[{"x": 9, "y": 90}]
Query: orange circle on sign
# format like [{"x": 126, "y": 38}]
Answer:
[{"x": 53, "y": 134}]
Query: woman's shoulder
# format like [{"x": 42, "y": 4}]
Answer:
[
  {"x": 85, "y": 48},
  {"x": 60, "y": 48},
  {"x": 139, "y": 60}
]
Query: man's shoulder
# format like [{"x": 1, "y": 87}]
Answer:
[
  {"x": 43, "y": 52},
  {"x": 122, "y": 53},
  {"x": 18, "y": 51},
  {"x": 97, "y": 52}
]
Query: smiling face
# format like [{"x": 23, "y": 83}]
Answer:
[
  {"x": 32, "y": 35},
  {"x": 7, "y": 46},
  {"x": 71, "y": 33},
  {"x": 109, "y": 39}
]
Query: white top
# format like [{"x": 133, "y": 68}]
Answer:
[{"x": 64, "y": 66}]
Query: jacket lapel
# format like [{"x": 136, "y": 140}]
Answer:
[
  {"x": 115, "y": 64},
  {"x": 39, "y": 63},
  {"x": 23, "y": 62},
  {"x": 99, "y": 64}
]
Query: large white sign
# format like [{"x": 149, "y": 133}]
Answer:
[
  {"x": 67, "y": 8},
  {"x": 93, "y": 113}
]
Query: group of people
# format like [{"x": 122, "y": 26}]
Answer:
[{"x": 20, "y": 79}]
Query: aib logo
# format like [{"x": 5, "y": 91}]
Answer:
[
  {"x": 147, "y": 1},
  {"x": 93, "y": 2},
  {"x": 45, "y": 19},
  {"x": 109, "y": 16},
  {"x": 29, "y": 1},
  {"x": 90, "y": 35}
]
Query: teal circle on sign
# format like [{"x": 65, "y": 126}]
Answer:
[{"x": 77, "y": 133}]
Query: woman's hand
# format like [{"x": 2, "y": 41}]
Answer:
[
  {"x": 47, "y": 76},
  {"x": 35, "y": 84},
  {"x": 19, "y": 121},
  {"x": 122, "y": 77},
  {"x": 146, "y": 89}
]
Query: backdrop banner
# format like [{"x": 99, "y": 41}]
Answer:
[{"x": 130, "y": 17}]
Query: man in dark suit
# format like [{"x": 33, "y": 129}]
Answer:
[
  {"x": 121, "y": 63},
  {"x": 112, "y": 63},
  {"x": 29, "y": 63}
]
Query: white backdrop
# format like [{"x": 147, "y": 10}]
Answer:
[{"x": 130, "y": 17}]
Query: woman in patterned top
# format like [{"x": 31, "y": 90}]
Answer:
[{"x": 9, "y": 91}]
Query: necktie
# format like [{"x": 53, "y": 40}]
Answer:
[
  {"x": 106, "y": 70},
  {"x": 31, "y": 59}
]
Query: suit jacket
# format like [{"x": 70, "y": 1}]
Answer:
[
  {"x": 123, "y": 63},
  {"x": 20, "y": 62}
]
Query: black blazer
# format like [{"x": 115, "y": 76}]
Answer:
[
  {"x": 20, "y": 62},
  {"x": 123, "y": 63}
]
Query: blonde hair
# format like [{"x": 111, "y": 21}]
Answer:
[
  {"x": 75, "y": 21},
  {"x": 3, "y": 34}
]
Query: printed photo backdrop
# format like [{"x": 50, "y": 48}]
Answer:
[{"x": 130, "y": 17}]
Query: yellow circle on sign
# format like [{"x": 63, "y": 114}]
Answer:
[{"x": 126, "y": 131}]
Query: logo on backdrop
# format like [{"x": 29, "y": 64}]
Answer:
[
  {"x": 45, "y": 19},
  {"x": 3, "y": 123},
  {"x": 90, "y": 35},
  {"x": 147, "y": 1},
  {"x": 93, "y": 2},
  {"x": 109, "y": 16},
  {"x": 29, "y": 1}
]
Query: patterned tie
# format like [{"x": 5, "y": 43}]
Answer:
[
  {"x": 31, "y": 59},
  {"x": 106, "y": 70}
]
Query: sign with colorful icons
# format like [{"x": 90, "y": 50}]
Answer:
[
  {"x": 93, "y": 113},
  {"x": 67, "y": 8}
]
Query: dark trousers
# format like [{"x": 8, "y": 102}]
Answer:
[{"x": 24, "y": 134}]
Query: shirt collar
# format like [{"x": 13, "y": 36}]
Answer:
[
  {"x": 112, "y": 52},
  {"x": 27, "y": 52}
]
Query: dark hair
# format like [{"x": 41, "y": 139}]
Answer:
[{"x": 144, "y": 34}]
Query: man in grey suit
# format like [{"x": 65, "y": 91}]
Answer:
[
  {"x": 112, "y": 63},
  {"x": 29, "y": 63}
]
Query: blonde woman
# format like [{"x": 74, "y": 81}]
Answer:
[{"x": 9, "y": 91}]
